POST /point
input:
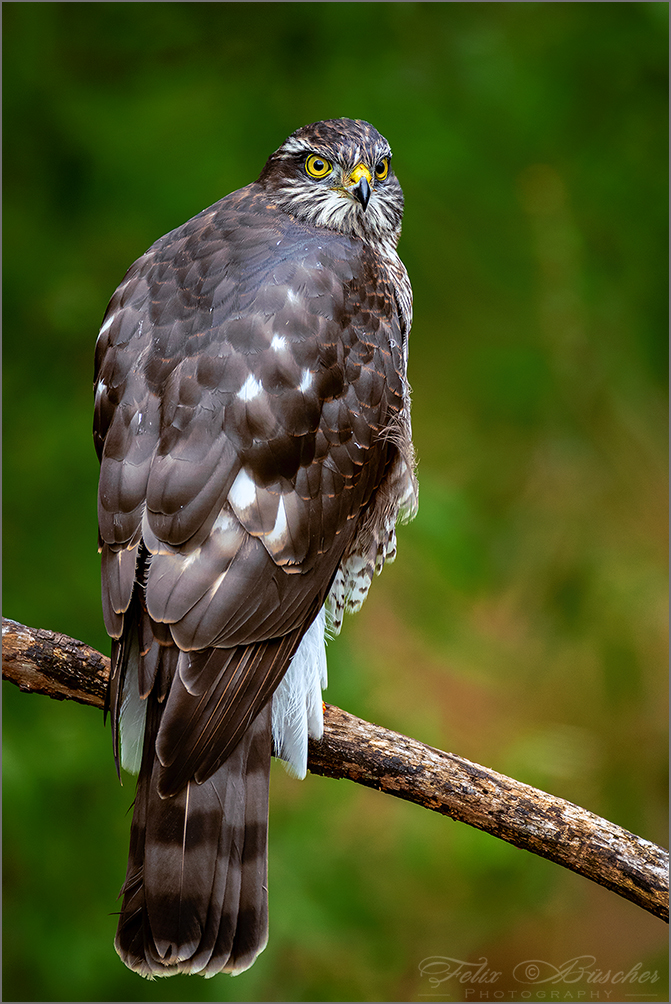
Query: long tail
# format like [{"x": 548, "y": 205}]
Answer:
[{"x": 195, "y": 899}]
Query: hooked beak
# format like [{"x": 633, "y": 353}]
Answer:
[
  {"x": 358, "y": 185},
  {"x": 361, "y": 192}
]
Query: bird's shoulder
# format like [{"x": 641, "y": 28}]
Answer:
[
  {"x": 249, "y": 237},
  {"x": 256, "y": 372},
  {"x": 243, "y": 290}
]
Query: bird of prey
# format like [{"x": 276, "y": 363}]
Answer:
[{"x": 252, "y": 421}]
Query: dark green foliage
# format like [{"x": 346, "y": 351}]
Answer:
[{"x": 524, "y": 624}]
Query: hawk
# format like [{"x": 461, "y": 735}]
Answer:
[{"x": 252, "y": 422}]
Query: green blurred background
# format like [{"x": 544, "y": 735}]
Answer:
[{"x": 524, "y": 622}]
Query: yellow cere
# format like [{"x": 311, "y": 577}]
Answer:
[
  {"x": 318, "y": 167},
  {"x": 359, "y": 172}
]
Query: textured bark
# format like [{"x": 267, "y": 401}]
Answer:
[
  {"x": 48, "y": 663},
  {"x": 45, "y": 662}
]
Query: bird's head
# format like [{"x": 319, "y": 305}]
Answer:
[{"x": 338, "y": 174}]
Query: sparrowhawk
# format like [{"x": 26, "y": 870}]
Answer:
[{"x": 252, "y": 421}]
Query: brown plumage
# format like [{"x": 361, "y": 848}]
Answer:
[{"x": 253, "y": 427}]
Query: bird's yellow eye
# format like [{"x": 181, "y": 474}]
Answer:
[
  {"x": 382, "y": 169},
  {"x": 318, "y": 167}
]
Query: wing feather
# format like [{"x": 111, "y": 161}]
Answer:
[{"x": 243, "y": 400}]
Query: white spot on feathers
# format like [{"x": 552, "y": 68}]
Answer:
[
  {"x": 224, "y": 523},
  {"x": 306, "y": 382},
  {"x": 108, "y": 324},
  {"x": 242, "y": 494},
  {"x": 250, "y": 389},
  {"x": 279, "y": 531}
]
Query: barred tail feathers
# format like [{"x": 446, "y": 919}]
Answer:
[{"x": 195, "y": 898}]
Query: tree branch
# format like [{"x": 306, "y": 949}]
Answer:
[{"x": 45, "y": 662}]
